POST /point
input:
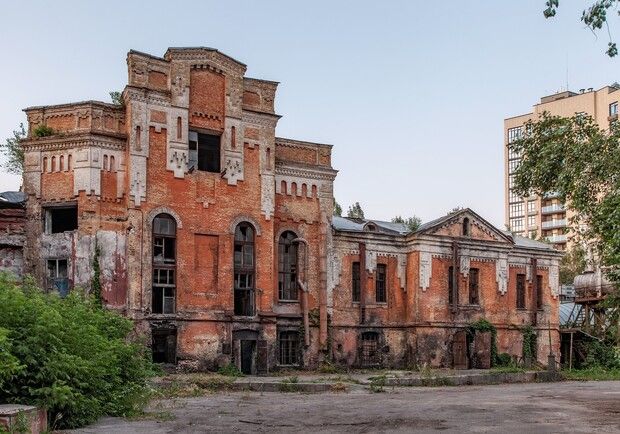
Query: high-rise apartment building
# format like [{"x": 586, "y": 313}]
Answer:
[{"x": 546, "y": 216}]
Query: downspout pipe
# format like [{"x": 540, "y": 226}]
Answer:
[{"x": 304, "y": 287}]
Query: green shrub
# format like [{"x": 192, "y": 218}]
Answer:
[
  {"x": 602, "y": 355},
  {"x": 230, "y": 370},
  {"x": 69, "y": 356},
  {"x": 43, "y": 131},
  {"x": 529, "y": 343},
  {"x": 504, "y": 359}
]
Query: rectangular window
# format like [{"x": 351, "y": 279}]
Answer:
[
  {"x": 61, "y": 219},
  {"x": 514, "y": 197},
  {"x": 204, "y": 152},
  {"x": 473, "y": 286},
  {"x": 514, "y": 134},
  {"x": 450, "y": 285},
  {"x": 531, "y": 221},
  {"x": 539, "y": 292},
  {"x": 355, "y": 282},
  {"x": 516, "y": 209},
  {"x": 513, "y": 165},
  {"x": 520, "y": 291},
  {"x": 58, "y": 276},
  {"x": 531, "y": 206},
  {"x": 288, "y": 341},
  {"x": 613, "y": 108},
  {"x": 516, "y": 225},
  {"x": 380, "y": 284}
]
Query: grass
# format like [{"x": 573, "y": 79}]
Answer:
[
  {"x": 511, "y": 369},
  {"x": 592, "y": 374}
]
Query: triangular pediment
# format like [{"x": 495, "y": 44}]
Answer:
[{"x": 464, "y": 223}]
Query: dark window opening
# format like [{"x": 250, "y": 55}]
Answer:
[
  {"x": 244, "y": 282},
  {"x": 539, "y": 292},
  {"x": 287, "y": 267},
  {"x": 289, "y": 347},
  {"x": 164, "y": 346},
  {"x": 450, "y": 285},
  {"x": 473, "y": 286},
  {"x": 61, "y": 219},
  {"x": 369, "y": 349},
  {"x": 380, "y": 284},
  {"x": 520, "y": 291},
  {"x": 58, "y": 276},
  {"x": 164, "y": 265},
  {"x": 204, "y": 152},
  {"x": 466, "y": 227},
  {"x": 355, "y": 282}
]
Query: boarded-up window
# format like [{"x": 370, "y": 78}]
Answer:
[
  {"x": 473, "y": 286},
  {"x": 520, "y": 291}
]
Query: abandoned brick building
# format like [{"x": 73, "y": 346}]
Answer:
[{"x": 217, "y": 238}]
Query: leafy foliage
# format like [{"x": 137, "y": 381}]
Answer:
[
  {"x": 117, "y": 98},
  {"x": 13, "y": 151},
  {"x": 594, "y": 17},
  {"x": 577, "y": 159},
  {"x": 95, "y": 284},
  {"x": 602, "y": 354},
  {"x": 529, "y": 343},
  {"x": 43, "y": 131},
  {"x": 337, "y": 209},
  {"x": 73, "y": 357},
  {"x": 413, "y": 223},
  {"x": 573, "y": 263},
  {"x": 355, "y": 211}
]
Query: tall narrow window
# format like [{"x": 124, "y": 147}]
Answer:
[
  {"x": 233, "y": 137},
  {"x": 58, "y": 276},
  {"x": 287, "y": 267},
  {"x": 105, "y": 162},
  {"x": 138, "y": 143},
  {"x": 288, "y": 341},
  {"x": 380, "y": 284},
  {"x": 69, "y": 162},
  {"x": 179, "y": 128},
  {"x": 539, "y": 292},
  {"x": 466, "y": 227},
  {"x": 53, "y": 164},
  {"x": 61, "y": 163},
  {"x": 355, "y": 282},
  {"x": 450, "y": 285},
  {"x": 520, "y": 291},
  {"x": 111, "y": 163},
  {"x": 369, "y": 349},
  {"x": 474, "y": 297},
  {"x": 244, "y": 270},
  {"x": 164, "y": 264}
]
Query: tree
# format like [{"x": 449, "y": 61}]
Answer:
[
  {"x": 413, "y": 223},
  {"x": 573, "y": 263},
  {"x": 337, "y": 209},
  {"x": 577, "y": 159},
  {"x": 355, "y": 211},
  {"x": 594, "y": 17},
  {"x": 117, "y": 98},
  {"x": 14, "y": 152}
]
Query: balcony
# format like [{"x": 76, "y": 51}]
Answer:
[
  {"x": 552, "y": 224},
  {"x": 550, "y": 209},
  {"x": 557, "y": 238}
]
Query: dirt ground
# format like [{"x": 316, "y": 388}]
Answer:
[{"x": 576, "y": 407}]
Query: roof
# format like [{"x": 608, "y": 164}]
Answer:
[
  {"x": 567, "y": 313},
  {"x": 12, "y": 198},
  {"x": 528, "y": 242},
  {"x": 349, "y": 224}
]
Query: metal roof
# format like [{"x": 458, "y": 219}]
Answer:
[
  {"x": 8, "y": 198},
  {"x": 360, "y": 225}
]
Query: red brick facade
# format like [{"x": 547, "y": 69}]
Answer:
[{"x": 216, "y": 237}]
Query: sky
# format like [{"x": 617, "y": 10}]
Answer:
[{"x": 411, "y": 94}]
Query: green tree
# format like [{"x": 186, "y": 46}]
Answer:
[
  {"x": 117, "y": 98},
  {"x": 594, "y": 17},
  {"x": 573, "y": 263},
  {"x": 337, "y": 209},
  {"x": 355, "y": 211},
  {"x": 577, "y": 159},
  {"x": 13, "y": 151},
  {"x": 413, "y": 223}
]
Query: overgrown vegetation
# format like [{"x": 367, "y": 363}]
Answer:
[
  {"x": 43, "y": 131},
  {"x": 230, "y": 370},
  {"x": 413, "y": 223},
  {"x": 68, "y": 355},
  {"x": 355, "y": 211},
  {"x": 117, "y": 98},
  {"x": 596, "y": 373},
  {"x": 483, "y": 325},
  {"x": 13, "y": 152},
  {"x": 95, "y": 285},
  {"x": 572, "y": 264},
  {"x": 529, "y": 343},
  {"x": 337, "y": 209}
]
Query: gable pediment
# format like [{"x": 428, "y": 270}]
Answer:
[{"x": 465, "y": 224}]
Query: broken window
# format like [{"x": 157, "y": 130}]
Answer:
[
  {"x": 355, "y": 282},
  {"x": 288, "y": 342},
  {"x": 520, "y": 291},
  {"x": 380, "y": 284},
  {"x": 287, "y": 267},
  {"x": 244, "y": 269},
  {"x": 58, "y": 276},
  {"x": 369, "y": 349},
  {"x": 539, "y": 292},
  {"x": 61, "y": 219},
  {"x": 164, "y": 345},
  {"x": 473, "y": 286},
  {"x": 450, "y": 285},
  {"x": 204, "y": 152},
  {"x": 164, "y": 264}
]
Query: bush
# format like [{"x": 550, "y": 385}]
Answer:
[
  {"x": 43, "y": 131},
  {"x": 69, "y": 356},
  {"x": 602, "y": 355},
  {"x": 504, "y": 359},
  {"x": 230, "y": 370}
]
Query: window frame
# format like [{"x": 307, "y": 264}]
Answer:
[
  {"x": 356, "y": 282},
  {"x": 450, "y": 285},
  {"x": 246, "y": 293},
  {"x": 288, "y": 288},
  {"x": 51, "y": 281},
  {"x": 474, "y": 287},
  {"x": 163, "y": 293},
  {"x": 194, "y": 150},
  {"x": 381, "y": 283},
  {"x": 539, "y": 292},
  {"x": 289, "y": 348},
  {"x": 521, "y": 290}
]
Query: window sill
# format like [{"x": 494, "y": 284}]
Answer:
[{"x": 288, "y": 301}]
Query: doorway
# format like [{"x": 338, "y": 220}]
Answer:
[
  {"x": 248, "y": 355},
  {"x": 164, "y": 345}
]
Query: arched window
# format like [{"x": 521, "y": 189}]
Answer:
[
  {"x": 53, "y": 164},
  {"x": 164, "y": 264},
  {"x": 287, "y": 267},
  {"x": 62, "y": 163},
  {"x": 111, "y": 163},
  {"x": 466, "y": 227},
  {"x": 69, "y": 162},
  {"x": 105, "y": 162},
  {"x": 244, "y": 283}
]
